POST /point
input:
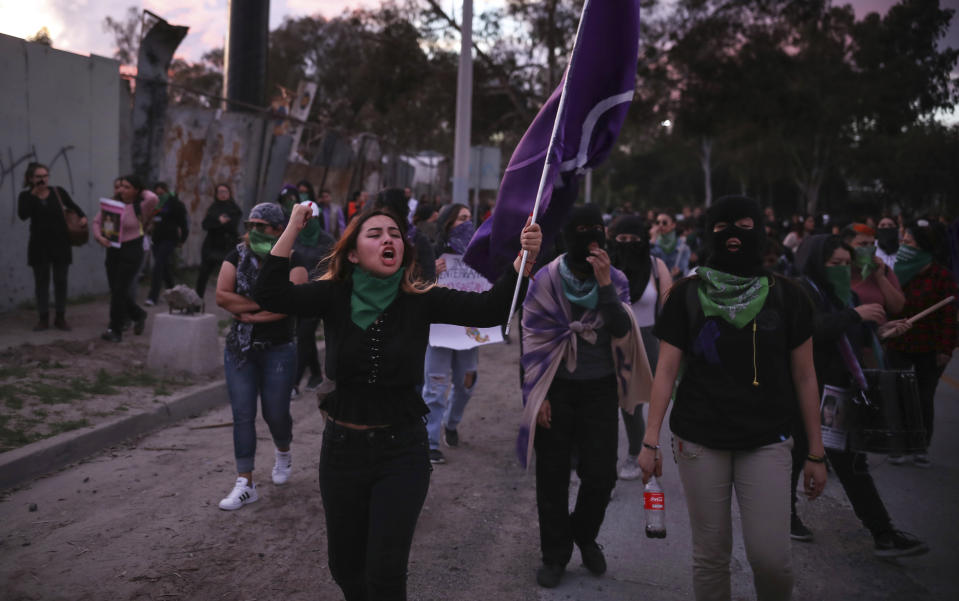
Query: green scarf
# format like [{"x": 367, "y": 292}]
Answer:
[
  {"x": 736, "y": 299},
  {"x": 261, "y": 244},
  {"x": 584, "y": 293},
  {"x": 310, "y": 234},
  {"x": 667, "y": 242},
  {"x": 863, "y": 260},
  {"x": 909, "y": 262},
  {"x": 840, "y": 277},
  {"x": 372, "y": 295}
]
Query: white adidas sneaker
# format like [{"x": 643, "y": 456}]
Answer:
[
  {"x": 282, "y": 467},
  {"x": 243, "y": 493}
]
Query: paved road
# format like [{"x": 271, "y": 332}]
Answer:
[{"x": 140, "y": 522}]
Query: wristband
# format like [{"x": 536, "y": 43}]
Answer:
[
  {"x": 651, "y": 446},
  {"x": 816, "y": 458}
]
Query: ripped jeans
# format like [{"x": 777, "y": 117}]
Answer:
[{"x": 447, "y": 407}]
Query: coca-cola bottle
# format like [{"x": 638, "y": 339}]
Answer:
[{"x": 655, "y": 504}]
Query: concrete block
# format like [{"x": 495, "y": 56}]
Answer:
[{"x": 184, "y": 343}]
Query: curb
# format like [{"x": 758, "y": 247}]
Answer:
[{"x": 44, "y": 456}]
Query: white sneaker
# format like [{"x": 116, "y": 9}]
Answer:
[
  {"x": 149, "y": 302},
  {"x": 630, "y": 469},
  {"x": 242, "y": 494},
  {"x": 282, "y": 467}
]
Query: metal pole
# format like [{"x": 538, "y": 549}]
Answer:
[
  {"x": 464, "y": 109},
  {"x": 589, "y": 186},
  {"x": 550, "y": 159}
]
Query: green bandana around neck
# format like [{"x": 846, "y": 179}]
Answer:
[
  {"x": 736, "y": 299},
  {"x": 667, "y": 242},
  {"x": 840, "y": 276},
  {"x": 909, "y": 262},
  {"x": 261, "y": 244},
  {"x": 372, "y": 295},
  {"x": 310, "y": 234},
  {"x": 862, "y": 259},
  {"x": 584, "y": 293}
]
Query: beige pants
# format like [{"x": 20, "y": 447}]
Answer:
[{"x": 761, "y": 480}]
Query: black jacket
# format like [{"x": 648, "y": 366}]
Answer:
[
  {"x": 48, "y": 228},
  {"x": 221, "y": 237},
  {"x": 170, "y": 222}
]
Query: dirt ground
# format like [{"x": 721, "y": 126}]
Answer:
[
  {"x": 59, "y": 386},
  {"x": 141, "y": 521}
]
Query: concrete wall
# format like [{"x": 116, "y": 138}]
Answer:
[
  {"x": 60, "y": 109},
  {"x": 203, "y": 147}
]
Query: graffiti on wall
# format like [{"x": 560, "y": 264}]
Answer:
[{"x": 12, "y": 168}]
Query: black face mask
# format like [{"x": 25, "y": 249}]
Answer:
[
  {"x": 888, "y": 239},
  {"x": 629, "y": 255},
  {"x": 747, "y": 260},
  {"x": 577, "y": 243}
]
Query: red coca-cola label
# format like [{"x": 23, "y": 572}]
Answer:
[{"x": 655, "y": 500}]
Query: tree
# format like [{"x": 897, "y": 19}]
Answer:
[
  {"x": 42, "y": 36},
  {"x": 197, "y": 84},
  {"x": 126, "y": 35}
]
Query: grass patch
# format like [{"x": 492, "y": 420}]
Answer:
[
  {"x": 73, "y": 424},
  {"x": 121, "y": 408},
  {"x": 50, "y": 394},
  {"x": 10, "y": 398},
  {"x": 162, "y": 390},
  {"x": 46, "y": 364},
  {"x": 12, "y": 371}
]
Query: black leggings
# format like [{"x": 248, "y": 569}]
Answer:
[
  {"x": 306, "y": 355},
  {"x": 208, "y": 266},
  {"x": 123, "y": 265},
  {"x": 927, "y": 380},
  {"x": 373, "y": 484},
  {"x": 41, "y": 280}
]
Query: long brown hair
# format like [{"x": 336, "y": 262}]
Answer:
[{"x": 340, "y": 269}]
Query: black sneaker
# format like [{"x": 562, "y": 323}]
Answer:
[
  {"x": 894, "y": 543},
  {"x": 111, "y": 336},
  {"x": 436, "y": 456},
  {"x": 549, "y": 575},
  {"x": 452, "y": 437},
  {"x": 593, "y": 558},
  {"x": 798, "y": 530}
]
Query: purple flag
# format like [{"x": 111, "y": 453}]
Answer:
[{"x": 602, "y": 76}]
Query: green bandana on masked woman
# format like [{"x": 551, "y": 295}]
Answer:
[
  {"x": 863, "y": 260},
  {"x": 667, "y": 242},
  {"x": 736, "y": 299},
  {"x": 909, "y": 262},
  {"x": 840, "y": 276},
  {"x": 261, "y": 244},
  {"x": 372, "y": 295},
  {"x": 310, "y": 234}
]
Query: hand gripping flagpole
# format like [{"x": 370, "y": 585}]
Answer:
[{"x": 560, "y": 109}]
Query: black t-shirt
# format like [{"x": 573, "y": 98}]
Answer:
[
  {"x": 276, "y": 332},
  {"x": 717, "y": 404}
]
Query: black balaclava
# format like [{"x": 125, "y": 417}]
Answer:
[
  {"x": 577, "y": 243},
  {"x": 632, "y": 258},
  {"x": 747, "y": 261},
  {"x": 888, "y": 239}
]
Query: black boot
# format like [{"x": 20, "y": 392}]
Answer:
[
  {"x": 60, "y": 322},
  {"x": 43, "y": 323}
]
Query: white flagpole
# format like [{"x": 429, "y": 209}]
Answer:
[{"x": 546, "y": 163}]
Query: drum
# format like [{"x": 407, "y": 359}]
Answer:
[{"x": 888, "y": 417}]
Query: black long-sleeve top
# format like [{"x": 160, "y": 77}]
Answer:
[
  {"x": 48, "y": 227},
  {"x": 379, "y": 371},
  {"x": 221, "y": 238},
  {"x": 594, "y": 361},
  {"x": 829, "y": 325}
]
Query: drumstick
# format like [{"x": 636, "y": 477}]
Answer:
[{"x": 925, "y": 312}]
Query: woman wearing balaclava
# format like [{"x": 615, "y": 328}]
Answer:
[
  {"x": 745, "y": 338},
  {"x": 649, "y": 281},
  {"x": 839, "y": 334},
  {"x": 928, "y": 346},
  {"x": 447, "y": 399},
  {"x": 581, "y": 354},
  {"x": 260, "y": 355},
  {"x": 887, "y": 241}
]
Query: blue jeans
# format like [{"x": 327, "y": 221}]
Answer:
[
  {"x": 446, "y": 408},
  {"x": 267, "y": 373}
]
